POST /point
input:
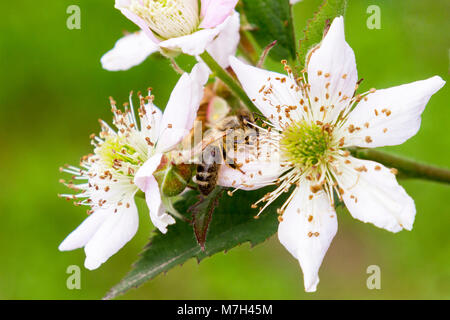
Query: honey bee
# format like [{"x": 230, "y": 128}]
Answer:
[{"x": 230, "y": 131}]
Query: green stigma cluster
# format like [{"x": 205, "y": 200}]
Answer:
[
  {"x": 305, "y": 144},
  {"x": 116, "y": 153}
]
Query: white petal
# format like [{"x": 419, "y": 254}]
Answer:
[
  {"x": 254, "y": 174},
  {"x": 372, "y": 194},
  {"x": 332, "y": 71},
  {"x": 196, "y": 43},
  {"x": 115, "y": 232},
  {"x": 294, "y": 1},
  {"x": 269, "y": 90},
  {"x": 307, "y": 229},
  {"x": 81, "y": 235},
  {"x": 181, "y": 110},
  {"x": 128, "y": 52},
  {"x": 145, "y": 180},
  {"x": 225, "y": 45},
  {"x": 390, "y": 116},
  {"x": 193, "y": 44},
  {"x": 151, "y": 121},
  {"x": 160, "y": 218}
]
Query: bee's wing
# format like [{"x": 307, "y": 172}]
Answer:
[
  {"x": 212, "y": 138},
  {"x": 197, "y": 150}
]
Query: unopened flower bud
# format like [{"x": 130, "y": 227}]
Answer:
[{"x": 172, "y": 178}]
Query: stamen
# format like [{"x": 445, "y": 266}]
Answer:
[
  {"x": 107, "y": 175},
  {"x": 168, "y": 18}
]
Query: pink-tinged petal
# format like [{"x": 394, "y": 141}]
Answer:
[
  {"x": 204, "y": 6},
  {"x": 145, "y": 180},
  {"x": 214, "y": 12},
  {"x": 271, "y": 92},
  {"x": 146, "y": 171},
  {"x": 217, "y": 109},
  {"x": 123, "y": 6},
  {"x": 119, "y": 228},
  {"x": 307, "y": 229},
  {"x": 254, "y": 173},
  {"x": 226, "y": 43},
  {"x": 390, "y": 116},
  {"x": 372, "y": 194},
  {"x": 332, "y": 73},
  {"x": 181, "y": 111},
  {"x": 81, "y": 235},
  {"x": 128, "y": 52},
  {"x": 197, "y": 42},
  {"x": 158, "y": 215}
]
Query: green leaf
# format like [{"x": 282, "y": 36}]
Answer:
[
  {"x": 313, "y": 32},
  {"x": 202, "y": 214},
  {"x": 233, "y": 224},
  {"x": 272, "y": 21}
]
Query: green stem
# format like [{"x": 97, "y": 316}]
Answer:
[
  {"x": 140, "y": 194},
  {"x": 407, "y": 168},
  {"x": 228, "y": 80}
]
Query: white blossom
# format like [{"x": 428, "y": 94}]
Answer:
[
  {"x": 312, "y": 123},
  {"x": 123, "y": 163},
  {"x": 174, "y": 26}
]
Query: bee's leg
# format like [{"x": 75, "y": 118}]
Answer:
[
  {"x": 247, "y": 140},
  {"x": 233, "y": 163},
  {"x": 236, "y": 166},
  {"x": 252, "y": 136},
  {"x": 257, "y": 139}
]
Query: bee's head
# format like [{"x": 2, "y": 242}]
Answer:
[{"x": 246, "y": 116}]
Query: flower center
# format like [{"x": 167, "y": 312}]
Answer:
[
  {"x": 305, "y": 144},
  {"x": 117, "y": 154},
  {"x": 168, "y": 18}
]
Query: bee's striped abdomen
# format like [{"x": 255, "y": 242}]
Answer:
[{"x": 206, "y": 177}]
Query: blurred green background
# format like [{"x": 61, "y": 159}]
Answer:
[{"x": 53, "y": 90}]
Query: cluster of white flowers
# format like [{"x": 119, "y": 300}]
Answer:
[{"x": 310, "y": 123}]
